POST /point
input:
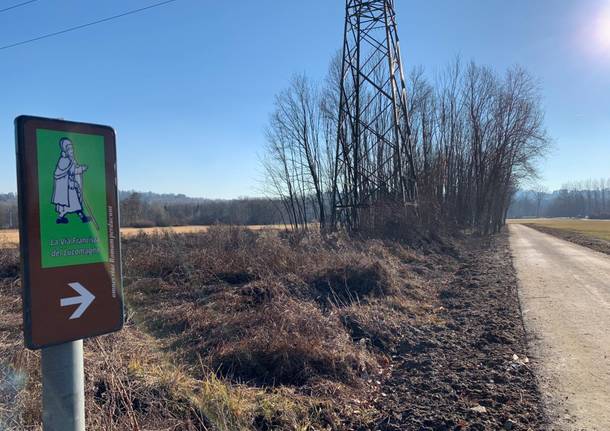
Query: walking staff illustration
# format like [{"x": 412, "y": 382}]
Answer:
[{"x": 68, "y": 195}]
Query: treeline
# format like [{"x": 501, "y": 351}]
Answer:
[
  {"x": 589, "y": 198},
  {"x": 475, "y": 134},
  {"x": 149, "y": 210},
  {"x": 8, "y": 211}
]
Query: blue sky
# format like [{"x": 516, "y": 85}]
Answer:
[{"x": 189, "y": 86}]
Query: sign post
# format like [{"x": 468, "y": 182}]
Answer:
[
  {"x": 63, "y": 382},
  {"x": 70, "y": 253}
]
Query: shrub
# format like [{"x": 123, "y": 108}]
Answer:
[
  {"x": 342, "y": 282},
  {"x": 143, "y": 224},
  {"x": 289, "y": 342},
  {"x": 9, "y": 263}
]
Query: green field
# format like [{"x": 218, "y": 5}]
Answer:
[{"x": 599, "y": 229}]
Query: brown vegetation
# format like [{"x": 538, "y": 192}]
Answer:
[
  {"x": 258, "y": 308},
  {"x": 237, "y": 329},
  {"x": 232, "y": 329}
]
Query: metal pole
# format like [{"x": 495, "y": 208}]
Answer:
[{"x": 63, "y": 387}]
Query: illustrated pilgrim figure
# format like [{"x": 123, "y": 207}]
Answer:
[{"x": 68, "y": 184}]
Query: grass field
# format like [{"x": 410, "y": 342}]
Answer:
[
  {"x": 11, "y": 236},
  {"x": 599, "y": 229}
]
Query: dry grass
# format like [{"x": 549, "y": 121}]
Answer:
[
  {"x": 315, "y": 317},
  {"x": 255, "y": 307},
  {"x": 130, "y": 382},
  {"x": 235, "y": 329},
  {"x": 599, "y": 229},
  {"x": 10, "y": 237}
]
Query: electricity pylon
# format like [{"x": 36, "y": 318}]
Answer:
[{"x": 374, "y": 155}]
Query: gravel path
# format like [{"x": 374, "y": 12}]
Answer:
[{"x": 565, "y": 296}]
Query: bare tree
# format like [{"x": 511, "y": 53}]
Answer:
[
  {"x": 540, "y": 193},
  {"x": 476, "y": 137},
  {"x": 295, "y": 165}
]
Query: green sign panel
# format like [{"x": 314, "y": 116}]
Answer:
[{"x": 72, "y": 196}]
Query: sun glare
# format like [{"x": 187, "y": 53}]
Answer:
[{"x": 603, "y": 29}]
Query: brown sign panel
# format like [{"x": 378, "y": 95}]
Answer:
[{"x": 69, "y": 230}]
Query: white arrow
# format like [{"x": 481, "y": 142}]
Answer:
[{"x": 83, "y": 301}]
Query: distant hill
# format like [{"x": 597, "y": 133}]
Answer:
[{"x": 161, "y": 197}]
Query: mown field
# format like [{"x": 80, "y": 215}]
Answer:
[
  {"x": 240, "y": 329},
  {"x": 599, "y": 229},
  {"x": 11, "y": 236}
]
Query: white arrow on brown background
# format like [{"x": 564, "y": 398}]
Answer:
[{"x": 83, "y": 301}]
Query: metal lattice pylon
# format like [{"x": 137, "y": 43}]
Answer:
[{"x": 374, "y": 156}]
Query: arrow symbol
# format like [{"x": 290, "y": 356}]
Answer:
[{"x": 83, "y": 301}]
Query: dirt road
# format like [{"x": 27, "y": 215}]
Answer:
[{"x": 565, "y": 296}]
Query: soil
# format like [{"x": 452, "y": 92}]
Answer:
[{"x": 469, "y": 369}]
